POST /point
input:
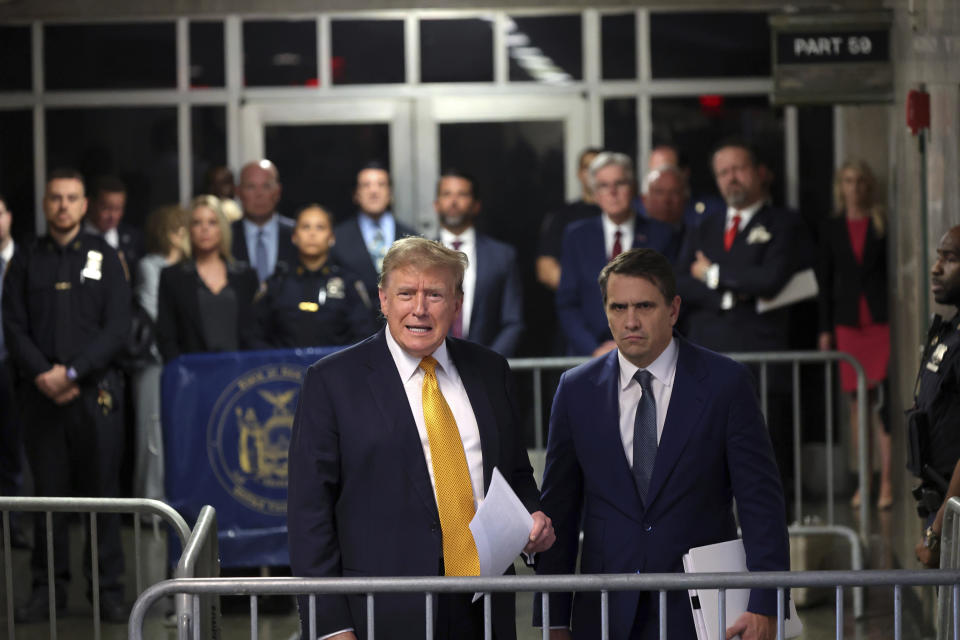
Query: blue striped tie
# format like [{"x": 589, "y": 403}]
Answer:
[{"x": 644, "y": 435}]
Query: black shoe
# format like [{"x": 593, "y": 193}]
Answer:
[
  {"x": 112, "y": 608},
  {"x": 37, "y": 609}
]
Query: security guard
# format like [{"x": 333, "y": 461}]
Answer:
[
  {"x": 317, "y": 302},
  {"x": 66, "y": 314},
  {"x": 934, "y": 420}
]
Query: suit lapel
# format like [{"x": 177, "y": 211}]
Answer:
[
  {"x": 472, "y": 380},
  {"x": 605, "y": 428},
  {"x": 683, "y": 415},
  {"x": 594, "y": 247},
  {"x": 391, "y": 398},
  {"x": 480, "y": 289}
]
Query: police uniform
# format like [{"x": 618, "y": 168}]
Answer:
[
  {"x": 934, "y": 421},
  {"x": 70, "y": 305},
  {"x": 303, "y": 308}
]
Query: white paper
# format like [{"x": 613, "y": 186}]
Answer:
[
  {"x": 801, "y": 286},
  {"x": 501, "y": 527},
  {"x": 721, "y": 558}
]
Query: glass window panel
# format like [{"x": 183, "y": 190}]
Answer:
[
  {"x": 138, "y": 144},
  {"x": 16, "y": 169},
  {"x": 457, "y": 50},
  {"x": 620, "y": 126},
  {"x": 140, "y": 55},
  {"x": 209, "y": 139},
  {"x": 280, "y": 53},
  {"x": 16, "y": 54},
  {"x": 696, "y": 125},
  {"x": 206, "y": 55},
  {"x": 546, "y": 48},
  {"x": 319, "y": 163},
  {"x": 815, "y": 142},
  {"x": 618, "y": 54},
  {"x": 519, "y": 167},
  {"x": 367, "y": 51},
  {"x": 705, "y": 45}
]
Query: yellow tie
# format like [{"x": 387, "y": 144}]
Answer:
[{"x": 451, "y": 477}]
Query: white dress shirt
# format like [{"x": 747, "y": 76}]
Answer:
[
  {"x": 456, "y": 396},
  {"x": 468, "y": 240},
  {"x": 112, "y": 236},
  {"x": 610, "y": 230},
  {"x": 663, "y": 370}
]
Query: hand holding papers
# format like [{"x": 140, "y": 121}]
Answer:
[
  {"x": 501, "y": 527},
  {"x": 801, "y": 286}
]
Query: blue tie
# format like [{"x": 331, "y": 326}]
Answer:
[
  {"x": 644, "y": 435},
  {"x": 379, "y": 249},
  {"x": 263, "y": 269}
]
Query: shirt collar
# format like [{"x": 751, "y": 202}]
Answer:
[
  {"x": 7, "y": 254},
  {"x": 269, "y": 227},
  {"x": 468, "y": 238},
  {"x": 368, "y": 223},
  {"x": 664, "y": 368},
  {"x": 610, "y": 227},
  {"x": 745, "y": 214},
  {"x": 407, "y": 364}
]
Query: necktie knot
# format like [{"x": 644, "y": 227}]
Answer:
[
  {"x": 643, "y": 377},
  {"x": 429, "y": 365},
  {"x": 457, "y": 244}
]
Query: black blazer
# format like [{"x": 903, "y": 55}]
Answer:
[
  {"x": 842, "y": 279},
  {"x": 351, "y": 251},
  {"x": 360, "y": 501},
  {"x": 286, "y": 251},
  {"x": 179, "y": 327}
]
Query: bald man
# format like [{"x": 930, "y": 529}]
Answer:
[{"x": 263, "y": 237}]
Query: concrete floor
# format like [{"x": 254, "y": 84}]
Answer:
[{"x": 819, "y": 620}]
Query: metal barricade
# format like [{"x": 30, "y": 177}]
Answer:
[
  {"x": 661, "y": 583},
  {"x": 91, "y": 506},
  {"x": 947, "y": 604},
  {"x": 764, "y": 360},
  {"x": 200, "y": 551}
]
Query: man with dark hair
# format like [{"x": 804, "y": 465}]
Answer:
[
  {"x": 394, "y": 445},
  {"x": 589, "y": 244},
  {"x": 66, "y": 315},
  {"x": 492, "y": 311},
  {"x": 648, "y": 447},
  {"x": 263, "y": 237},
  {"x": 363, "y": 240},
  {"x": 105, "y": 218},
  {"x": 218, "y": 181}
]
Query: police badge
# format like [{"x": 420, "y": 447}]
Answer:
[
  {"x": 335, "y": 288},
  {"x": 92, "y": 269}
]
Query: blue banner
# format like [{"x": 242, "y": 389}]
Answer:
[{"x": 227, "y": 421}]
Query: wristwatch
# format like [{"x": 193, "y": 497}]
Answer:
[{"x": 931, "y": 540}]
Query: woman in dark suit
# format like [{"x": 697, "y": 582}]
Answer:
[
  {"x": 206, "y": 302},
  {"x": 853, "y": 302}
]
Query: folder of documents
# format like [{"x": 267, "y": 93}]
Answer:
[
  {"x": 801, "y": 286},
  {"x": 725, "y": 557}
]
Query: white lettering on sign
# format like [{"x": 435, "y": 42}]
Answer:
[{"x": 832, "y": 46}]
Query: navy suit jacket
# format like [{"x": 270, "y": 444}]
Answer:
[
  {"x": 351, "y": 251},
  {"x": 360, "y": 502},
  {"x": 496, "y": 320},
  {"x": 578, "y": 299},
  {"x": 286, "y": 251},
  {"x": 751, "y": 269},
  {"x": 714, "y": 448}
]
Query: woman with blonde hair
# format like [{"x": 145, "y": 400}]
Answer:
[
  {"x": 852, "y": 275},
  {"x": 206, "y": 302}
]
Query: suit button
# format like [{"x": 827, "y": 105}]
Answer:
[{"x": 647, "y": 527}]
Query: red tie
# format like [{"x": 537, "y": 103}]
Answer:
[
  {"x": 617, "y": 247},
  {"x": 731, "y": 232},
  {"x": 457, "y": 328}
]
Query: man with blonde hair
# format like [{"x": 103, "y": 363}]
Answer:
[{"x": 394, "y": 445}]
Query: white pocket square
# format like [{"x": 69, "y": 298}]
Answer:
[{"x": 758, "y": 235}]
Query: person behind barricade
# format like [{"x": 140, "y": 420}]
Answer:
[
  {"x": 649, "y": 446},
  {"x": 394, "y": 446},
  {"x": 66, "y": 315},
  {"x": 205, "y": 303},
  {"x": 167, "y": 242},
  {"x": 105, "y": 218},
  {"x": 852, "y": 277},
  {"x": 316, "y": 302},
  {"x": 262, "y": 237},
  {"x": 934, "y": 442}
]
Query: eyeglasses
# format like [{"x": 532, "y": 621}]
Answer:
[{"x": 611, "y": 186}]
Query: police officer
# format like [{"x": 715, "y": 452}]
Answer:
[
  {"x": 316, "y": 302},
  {"x": 932, "y": 422},
  {"x": 66, "y": 313}
]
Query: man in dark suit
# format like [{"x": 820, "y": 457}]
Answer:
[
  {"x": 696, "y": 206},
  {"x": 649, "y": 446},
  {"x": 394, "y": 443},
  {"x": 492, "y": 312},
  {"x": 262, "y": 237},
  {"x": 362, "y": 241},
  {"x": 590, "y": 243},
  {"x": 105, "y": 219}
]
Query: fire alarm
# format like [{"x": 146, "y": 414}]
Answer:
[{"x": 918, "y": 111}]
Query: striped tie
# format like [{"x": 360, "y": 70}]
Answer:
[
  {"x": 451, "y": 477},
  {"x": 644, "y": 435}
]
